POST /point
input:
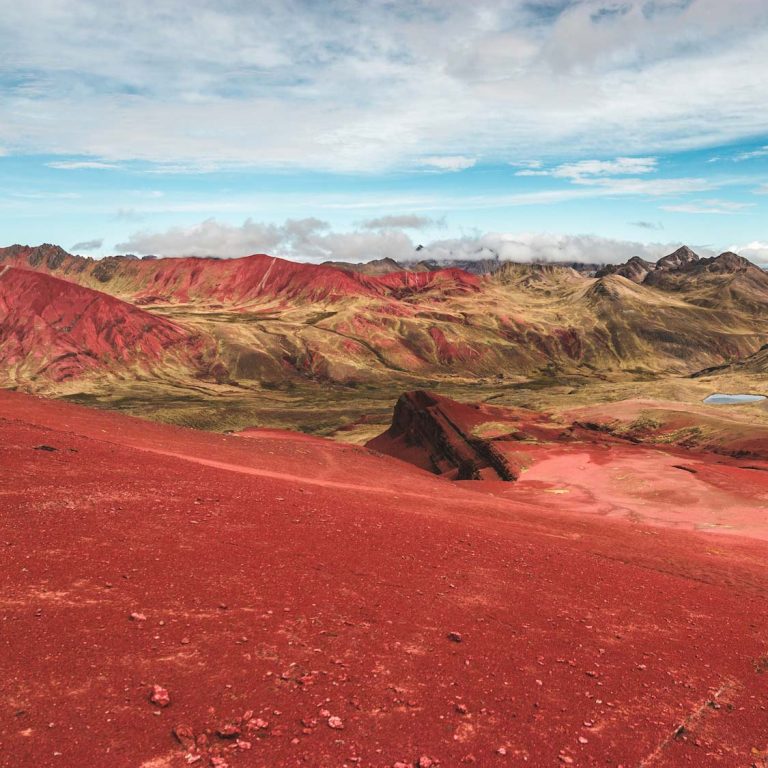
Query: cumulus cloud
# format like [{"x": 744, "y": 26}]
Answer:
[
  {"x": 545, "y": 247},
  {"x": 302, "y": 239},
  {"x": 88, "y": 245},
  {"x": 313, "y": 240},
  {"x": 756, "y": 251},
  {"x": 403, "y": 221}
]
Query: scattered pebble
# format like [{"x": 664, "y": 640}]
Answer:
[
  {"x": 335, "y": 723},
  {"x": 455, "y": 637},
  {"x": 160, "y": 696}
]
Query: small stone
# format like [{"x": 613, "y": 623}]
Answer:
[
  {"x": 244, "y": 745},
  {"x": 228, "y": 731},
  {"x": 582, "y": 740},
  {"x": 160, "y": 696},
  {"x": 219, "y": 762},
  {"x": 566, "y": 759},
  {"x": 184, "y": 735},
  {"x": 455, "y": 637},
  {"x": 462, "y": 709},
  {"x": 137, "y": 617},
  {"x": 501, "y": 751},
  {"x": 425, "y": 762},
  {"x": 185, "y": 641},
  {"x": 335, "y": 723}
]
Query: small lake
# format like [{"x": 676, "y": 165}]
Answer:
[{"x": 719, "y": 399}]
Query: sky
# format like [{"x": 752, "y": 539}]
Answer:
[{"x": 583, "y": 130}]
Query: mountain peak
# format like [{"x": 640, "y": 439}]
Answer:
[{"x": 676, "y": 259}]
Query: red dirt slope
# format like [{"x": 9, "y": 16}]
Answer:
[
  {"x": 298, "y": 602},
  {"x": 57, "y": 330},
  {"x": 593, "y": 467}
]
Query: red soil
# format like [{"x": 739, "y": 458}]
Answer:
[
  {"x": 302, "y": 581},
  {"x": 589, "y": 471},
  {"x": 57, "y": 329}
]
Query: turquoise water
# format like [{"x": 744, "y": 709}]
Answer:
[{"x": 719, "y": 399}]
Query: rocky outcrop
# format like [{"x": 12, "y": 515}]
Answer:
[
  {"x": 635, "y": 269},
  {"x": 435, "y": 433}
]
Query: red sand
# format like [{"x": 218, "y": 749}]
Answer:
[
  {"x": 666, "y": 487},
  {"x": 307, "y": 582}
]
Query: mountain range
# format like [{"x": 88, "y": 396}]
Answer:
[{"x": 263, "y": 320}]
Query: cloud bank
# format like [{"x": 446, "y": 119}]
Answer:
[{"x": 313, "y": 240}]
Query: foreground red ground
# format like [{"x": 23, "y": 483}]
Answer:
[{"x": 301, "y": 603}]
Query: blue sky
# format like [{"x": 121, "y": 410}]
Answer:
[{"x": 560, "y": 129}]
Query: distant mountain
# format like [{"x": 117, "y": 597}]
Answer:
[
  {"x": 375, "y": 267},
  {"x": 225, "y": 281},
  {"x": 272, "y": 321}
]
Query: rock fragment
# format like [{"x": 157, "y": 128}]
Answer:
[{"x": 159, "y": 696}]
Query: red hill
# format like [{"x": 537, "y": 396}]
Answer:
[
  {"x": 57, "y": 330},
  {"x": 229, "y": 281}
]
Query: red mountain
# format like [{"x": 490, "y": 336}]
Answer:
[
  {"x": 228, "y": 281},
  {"x": 54, "y": 329}
]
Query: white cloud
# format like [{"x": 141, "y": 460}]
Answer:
[
  {"x": 650, "y": 225},
  {"x": 367, "y": 86},
  {"x": 312, "y": 240},
  {"x": 547, "y": 247},
  {"x": 621, "y": 166},
  {"x": 88, "y": 245},
  {"x": 711, "y": 207},
  {"x": 402, "y": 221},
  {"x": 762, "y": 152},
  {"x": 449, "y": 162},
  {"x": 76, "y": 165},
  {"x": 302, "y": 239},
  {"x": 756, "y": 251},
  {"x": 529, "y": 165}
]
